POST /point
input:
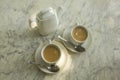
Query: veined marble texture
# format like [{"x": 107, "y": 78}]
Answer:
[{"x": 18, "y": 43}]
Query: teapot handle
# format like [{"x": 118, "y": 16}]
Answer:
[{"x": 33, "y": 22}]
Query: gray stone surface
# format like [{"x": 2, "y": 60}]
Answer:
[{"x": 17, "y": 43}]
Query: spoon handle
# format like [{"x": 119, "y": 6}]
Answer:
[{"x": 61, "y": 38}]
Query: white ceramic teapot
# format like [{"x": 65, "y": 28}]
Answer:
[{"x": 46, "y": 21}]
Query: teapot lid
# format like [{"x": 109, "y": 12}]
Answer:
[{"x": 44, "y": 14}]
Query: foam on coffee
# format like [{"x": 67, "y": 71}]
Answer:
[
  {"x": 79, "y": 33},
  {"x": 51, "y": 53}
]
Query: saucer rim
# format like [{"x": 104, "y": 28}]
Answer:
[
  {"x": 39, "y": 49},
  {"x": 71, "y": 49}
]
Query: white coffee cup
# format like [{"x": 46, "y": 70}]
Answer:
[
  {"x": 70, "y": 34},
  {"x": 53, "y": 66},
  {"x": 46, "y": 21}
]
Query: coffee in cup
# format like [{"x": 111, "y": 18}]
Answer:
[
  {"x": 51, "y": 53},
  {"x": 79, "y": 33}
]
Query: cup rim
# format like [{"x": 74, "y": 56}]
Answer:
[
  {"x": 42, "y": 54},
  {"x": 72, "y": 34}
]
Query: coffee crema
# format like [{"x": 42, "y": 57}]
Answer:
[
  {"x": 51, "y": 53},
  {"x": 79, "y": 33}
]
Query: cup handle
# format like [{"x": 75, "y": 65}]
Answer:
[
  {"x": 50, "y": 41},
  {"x": 77, "y": 23}
]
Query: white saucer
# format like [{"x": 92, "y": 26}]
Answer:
[
  {"x": 38, "y": 58},
  {"x": 85, "y": 45}
]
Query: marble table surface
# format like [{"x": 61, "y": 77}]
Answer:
[{"x": 18, "y": 43}]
